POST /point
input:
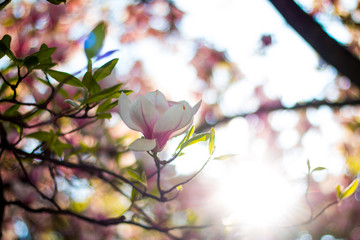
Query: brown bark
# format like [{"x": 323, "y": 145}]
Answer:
[{"x": 328, "y": 48}]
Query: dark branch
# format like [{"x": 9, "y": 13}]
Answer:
[
  {"x": 275, "y": 107},
  {"x": 328, "y": 48}
]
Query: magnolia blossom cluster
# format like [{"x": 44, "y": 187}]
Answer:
[{"x": 156, "y": 118}]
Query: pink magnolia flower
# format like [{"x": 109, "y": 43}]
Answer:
[{"x": 156, "y": 118}]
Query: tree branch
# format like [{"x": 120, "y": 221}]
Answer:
[
  {"x": 275, "y": 107},
  {"x": 327, "y": 47}
]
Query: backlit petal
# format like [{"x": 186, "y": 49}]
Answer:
[
  {"x": 196, "y": 107},
  {"x": 142, "y": 144},
  {"x": 124, "y": 106},
  {"x": 159, "y": 101},
  {"x": 170, "y": 120},
  {"x": 144, "y": 114}
]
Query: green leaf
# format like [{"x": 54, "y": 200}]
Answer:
[
  {"x": 350, "y": 190},
  {"x": 338, "y": 193},
  {"x": 57, "y": 2},
  {"x": 31, "y": 61},
  {"x": 308, "y": 166},
  {"x": 104, "y": 116},
  {"x": 105, "y": 70},
  {"x": 195, "y": 139},
  {"x": 3, "y": 4},
  {"x": 41, "y": 136},
  {"x": 65, "y": 78},
  {"x": 317, "y": 169},
  {"x": 12, "y": 111},
  {"x": 72, "y": 103},
  {"x": 187, "y": 136},
  {"x": 135, "y": 195},
  {"x": 90, "y": 83},
  {"x": 225, "y": 157},
  {"x": 212, "y": 141},
  {"x": 95, "y": 40},
  {"x": 106, "y": 106},
  {"x": 44, "y": 57},
  {"x": 106, "y": 93},
  {"x": 5, "y": 48},
  {"x": 134, "y": 175},
  {"x": 59, "y": 147}
]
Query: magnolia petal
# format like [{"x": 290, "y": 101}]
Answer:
[
  {"x": 159, "y": 101},
  {"x": 124, "y": 107},
  {"x": 143, "y": 144},
  {"x": 170, "y": 120},
  {"x": 187, "y": 115},
  {"x": 196, "y": 107},
  {"x": 181, "y": 130},
  {"x": 144, "y": 114}
]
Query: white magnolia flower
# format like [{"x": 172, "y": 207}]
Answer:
[{"x": 156, "y": 118}]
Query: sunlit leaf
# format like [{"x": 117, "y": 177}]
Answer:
[
  {"x": 350, "y": 190},
  {"x": 317, "y": 169},
  {"x": 105, "y": 70},
  {"x": 338, "y": 193},
  {"x": 212, "y": 141},
  {"x": 308, "y": 165},
  {"x": 134, "y": 175},
  {"x": 195, "y": 139},
  {"x": 65, "y": 78},
  {"x": 225, "y": 157},
  {"x": 95, "y": 40},
  {"x": 187, "y": 136}
]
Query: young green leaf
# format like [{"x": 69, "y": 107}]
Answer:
[
  {"x": 105, "y": 70},
  {"x": 225, "y": 157},
  {"x": 106, "y": 106},
  {"x": 186, "y": 137},
  {"x": 350, "y": 190},
  {"x": 134, "y": 175},
  {"x": 95, "y": 40},
  {"x": 195, "y": 139},
  {"x": 212, "y": 141},
  {"x": 65, "y": 78},
  {"x": 106, "y": 93},
  {"x": 317, "y": 169},
  {"x": 90, "y": 83},
  {"x": 338, "y": 193}
]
